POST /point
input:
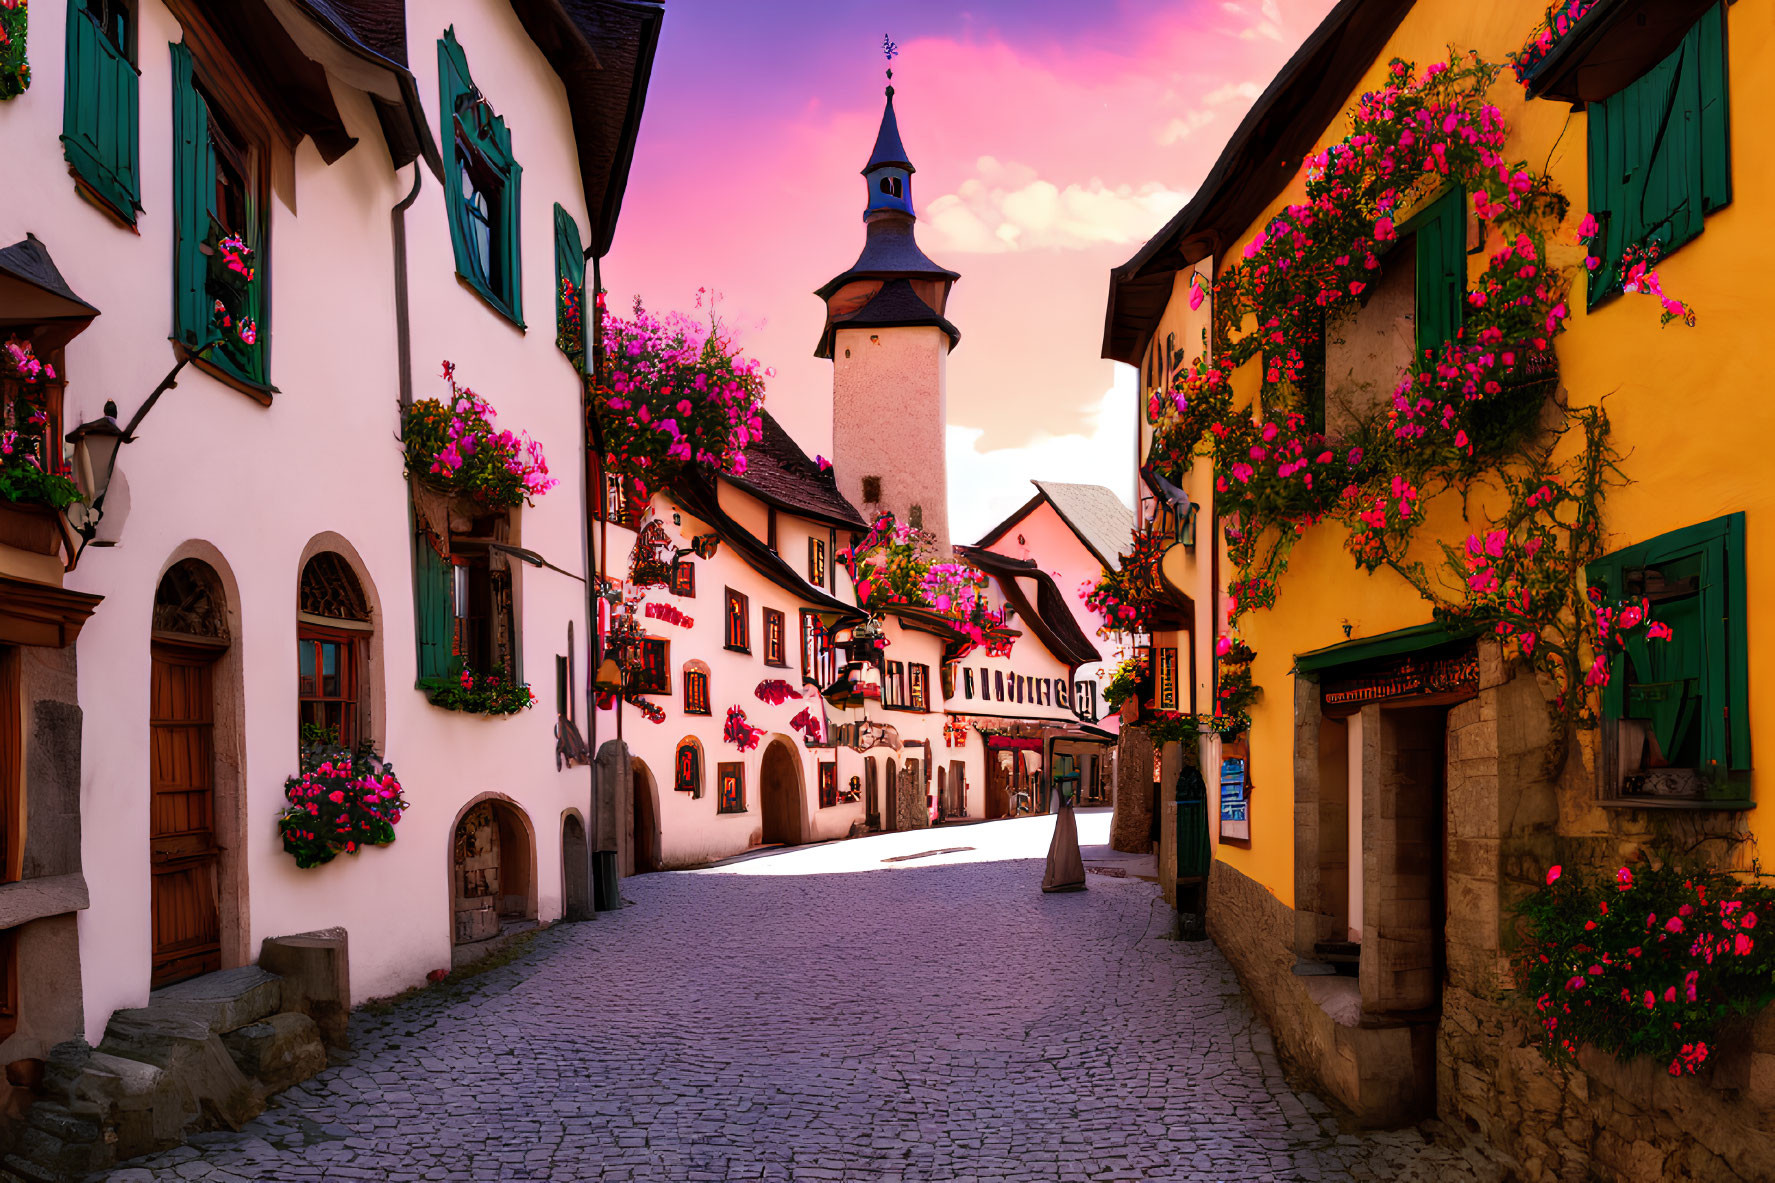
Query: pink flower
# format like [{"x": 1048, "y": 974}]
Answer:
[
  {"x": 1553, "y": 873},
  {"x": 1623, "y": 879},
  {"x": 1741, "y": 944}
]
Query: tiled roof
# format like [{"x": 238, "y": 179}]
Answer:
[
  {"x": 1048, "y": 616},
  {"x": 779, "y": 473},
  {"x": 1096, "y": 515},
  {"x": 1093, "y": 513},
  {"x": 896, "y": 305},
  {"x": 890, "y": 251}
]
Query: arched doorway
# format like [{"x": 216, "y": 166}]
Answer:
[
  {"x": 779, "y": 794},
  {"x": 576, "y": 871},
  {"x": 189, "y": 883},
  {"x": 640, "y": 853},
  {"x": 493, "y": 870}
]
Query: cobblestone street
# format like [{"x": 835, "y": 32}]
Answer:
[{"x": 822, "y": 1014}]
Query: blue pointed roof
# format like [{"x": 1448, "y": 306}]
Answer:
[{"x": 889, "y": 151}]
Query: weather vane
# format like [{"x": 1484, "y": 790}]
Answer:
[{"x": 890, "y": 51}]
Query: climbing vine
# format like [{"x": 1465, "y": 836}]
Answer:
[{"x": 1461, "y": 419}]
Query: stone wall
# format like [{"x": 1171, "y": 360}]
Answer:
[
  {"x": 911, "y": 812},
  {"x": 1130, "y": 826}
]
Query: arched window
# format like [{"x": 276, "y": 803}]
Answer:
[
  {"x": 696, "y": 690},
  {"x": 892, "y": 186},
  {"x": 333, "y": 631},
  {"x": 687, "y": 767}
]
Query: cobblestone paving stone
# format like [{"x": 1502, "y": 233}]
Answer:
[{"x": 939, "y": 1020}]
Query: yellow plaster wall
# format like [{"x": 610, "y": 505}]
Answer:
[{"x": 1691, "y": 408}]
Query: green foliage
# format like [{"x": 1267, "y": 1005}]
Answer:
[
  {"x": 15, "y": 66},
  {"x": 477, "y": 694},
  {"x": 1655, "y": 961},
  {"x": 339, "y": 803}
]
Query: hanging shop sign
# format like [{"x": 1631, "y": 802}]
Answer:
[{"x": 1409, "y": 677}]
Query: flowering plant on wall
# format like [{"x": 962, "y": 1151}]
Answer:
[
  {"x": 738, "y": 732},
  {"x": 1123, "y": 599},
  {"x": 671, "y": 614},
  {"x": 1125, "y": 680},
  {"x": 454, "y": 447},
  {"x": 809, "y": 724},
  {"x": 895, "y": 565},
  {"x": 1644, "y": 961},
  {"x": 570, "y": 337},
  {"x": 477, "y": 693},
  {"x": 1637, "y": 274},
  {"x": 1559, "y": 20},
  {"x": 27, "y": 463},
  {"x": 338, "y": 804},
  {"x": 15, "y": 67},
  {"x": 674, "y": 391},
  {"x": 775, "y": 691}
]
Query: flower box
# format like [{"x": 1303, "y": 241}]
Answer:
[{"x": 29, "y": 527}]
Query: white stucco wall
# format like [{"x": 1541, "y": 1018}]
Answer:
[
  {"x": 214, "y": 472},
  {"x": 889, "y": 410}
]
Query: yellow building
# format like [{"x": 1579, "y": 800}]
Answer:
[{"x": 1397, "y": 795}]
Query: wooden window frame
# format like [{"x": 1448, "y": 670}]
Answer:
[
  {"x": 819, "y": 657},
  {"x": 1085, "y": 700},
  {"x": 967, "y": 682},
  {"x": 776, "y": 642},
  {"x": 487, "y": 140},
  {"x": 695, "y": 788},
  {"x": 662, "y": 665},
  {"x": 893, "y": 685},
  {"x": 828, "y": 783},
  {"x": 111, "y": 182},
  {"x": 770, "y": 528},
  {"x": 223, "y": 85},
  {"x": 738, "y": 639},
  {"x": 695, "y": 704},
  {"x": 684, "y": 579},
  {"x": 723, "y": 804},
  {"x": 1165, "y": 692},
  {"x": 816, "y": 561},
  {"x": 998, "y": 682},
  {"x": 354, "y": 721},
  {"x": 919, "y": 686}
]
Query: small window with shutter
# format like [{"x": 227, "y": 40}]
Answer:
[{"x": 101, "y": 122}]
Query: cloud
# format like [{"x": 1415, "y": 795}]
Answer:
[
  {"x": 1268, "y": 24},
  {"x": 1009, "y": 207},
  {"x": 1182, "y": 127},
  {"x": 1233, "y": 92},
  {"x": 986, "y": 486}
]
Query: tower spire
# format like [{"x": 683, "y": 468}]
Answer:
[{"x": 888, "y": 174}]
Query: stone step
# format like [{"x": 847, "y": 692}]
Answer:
[
  {"x": 56, "y": 1121},
  {"x": 227, "y": 999}
]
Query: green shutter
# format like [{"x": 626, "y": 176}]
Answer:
[
  {"x": 434, "y": 609},
  {"x": 570, "y": 272},
  {"x": 1700, "y": 678},
  {"x": 194, "y": 188},
  {"x": 100, "y": 124},
  {"x": 492, "y": 140},
  {"x": 1660, "y": 151},
  {"x": 1441, "y": 231}
]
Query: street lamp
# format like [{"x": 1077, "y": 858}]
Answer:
[{"x": 95, "y": 445}]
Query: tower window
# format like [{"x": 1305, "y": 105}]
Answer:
[
  {"x": 892, "y": 187},
  {"x": 872, "y": 489},
  {"x": 915, "y": 516}
]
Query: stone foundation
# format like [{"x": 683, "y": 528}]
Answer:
[{"x": 1130, "y": 827}]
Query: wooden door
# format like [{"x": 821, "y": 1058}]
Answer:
[
  {"x": 477, "y": 874},
  {"x": 998, "y": 784},
  {"x": 184, "y": 858}
]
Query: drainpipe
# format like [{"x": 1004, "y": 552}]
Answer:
[
  {"x": 403, "y": 325},
  {"x": 602, "y": 871}
]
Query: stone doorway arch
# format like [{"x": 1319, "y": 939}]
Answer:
[
  {"x": 641, "y": 846},
  {"x": 576, "y": 869},
  {"x": 780, "y": 794},
  {"x": 492, "y": 869}
]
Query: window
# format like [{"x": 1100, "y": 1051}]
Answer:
[
  {"x": 893, "y": 684},
  {"x": 1061, "y": 698},
  {"x": 570, "y": 285},
  {"x": 480, "y": 185},
  {"x": 775, "y": 644},
  {"x": 465, "y": 596},
  {"x": 732, "y": 782},
  {"x": 816, "y": 561},
  {"x": 892, "y": 186},
  {"x": 739, "y": 625},
  {"x": 871, "y": 490},
  {"x": 1660, "y": 152},
  {"x": 220, "y": 178},
  {"x": 770, "y": 530},
  {"x": 696, "y": 690},
  {"x": 687, "y": 768},
  {"x": 1166, "y": 691},
  {"x": 1675, "y": 713},
  {"x": 101, "y": 125},
  {"x": 684, "y": 579},
  {"x": 998, "y": 681},
  {"x": 819, "y": 662},
  {"x": 655, "y": 674},
  {"x": 828, "y": 784},
  {"x": 921, "y": 687},
  {"x": 333, "y": 633},
  {"x": 967, "y": 683},
  {"x": 1439, "y": 238},
  {"x": 615, "y": 503},
  {"x": 1085, "y": 700}
]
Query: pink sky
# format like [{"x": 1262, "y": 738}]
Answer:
[{"x": 1050, "y": 139}]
